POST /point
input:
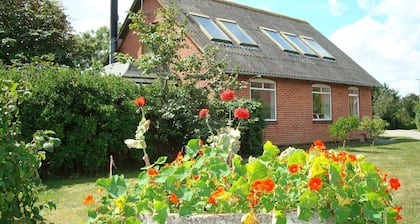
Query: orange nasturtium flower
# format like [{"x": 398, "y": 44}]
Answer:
[
  {"x": 252, "y": 198},
  {"x": 295, "y": 168},
  {"x": 88, "y": 200},
  {"x": 395, "y": 184},
  {"x": 266, "y": 185},
  {"x": 315, "y": 183},
  {"x": 152, "y": 172},
  {"x": 227, "y": 95},
  {"x": 141, "y": 101},
  {"x": 173, "y": 198},
  {"x": 399, "y": 217},
  {"x": 219, "y": 192}
]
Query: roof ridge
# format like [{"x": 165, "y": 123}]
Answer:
[{"x": 260, "y": 10}]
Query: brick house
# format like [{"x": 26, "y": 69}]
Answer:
[{"x": 304, "y": 81}]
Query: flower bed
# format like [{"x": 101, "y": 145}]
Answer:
[{"x": 211, "y": 178}]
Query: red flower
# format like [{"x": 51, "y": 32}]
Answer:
[
  {"x": 196, "y": 177},
  {"x": 252, "y": 198},
  {"x": 295, "y": 168},
  {"x": 219, "y": 192},
  {"x": 241, "y": 113},
  {"x": 319, "y": 143},
  {"x": 152, "y": 172},
  {"x": 352, "y": 157},
  {"x": 89, "y": 199},
  {"x": 395, "y": 184},
  {"x": 141, "y": 101},
  {"x": 227, "y": 95},
  {"x": 399, "y": 217},
  {"x": 266, "y": 185},
  {"x": 203, "y": 113},
  {"x": 173, "y": 198},
  {"x": 315, "y": 183}
]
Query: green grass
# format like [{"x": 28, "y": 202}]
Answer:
[{"x": 398, "y": 157}]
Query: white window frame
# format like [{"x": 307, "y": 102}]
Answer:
[
  {"x": 292, "y": 48},
  {"x": 271, "y": 82},
  {"x": 321, "y": 51},
  {"x": 354, "y": 92},
  {"x": 224, "y": 38},
  {"x": 315, "y": 117},
  {"x": 287, "y": 36},
  {"x": 250, "y": 42}
]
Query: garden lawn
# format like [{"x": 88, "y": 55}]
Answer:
[{"x": 398, "y": 157}]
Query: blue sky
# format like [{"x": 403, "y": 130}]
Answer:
[{"x": 383, "y": 36}]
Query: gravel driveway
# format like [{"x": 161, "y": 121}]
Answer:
[{"x": 402, "y": 133}]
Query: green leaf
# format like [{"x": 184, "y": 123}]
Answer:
[
  {"x": 256, "y": 170},
  {"x": 341, "y": 213},
  {"x": 304, "y": 214},
  {"x": 162, "y": 211},
  {"x": 270, "y": 149},
  {"x": 143, "y": 178},
  {"x": 48, "y": 146},
  {"x": 238, "y": 167},
  {"x": 161, "y": 160},
  {"x": 132, "y": 220},
  {"x": 335, "y": 173},
  {"x": 280, "y": 217},
  {"x": 219, "y": 168},
  {"x": 298, "y": 157},
  {"x": 193, "y": 147},
  {"x": 308, "y": 200},
  {"x": 116, "y": 186}
]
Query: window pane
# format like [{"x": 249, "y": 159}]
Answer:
[
  {"x": 269, "y": 85},
  {"x": 301, "y": 45},
  {"x": 239, "y": 33},
  {"x": 267, "y": 98},
  {"x": 319, "y": 48},
  {"x": 354, "y": 105},
  {"x": 211, "y": 28},
  {"x": 321, "y": 106},
  {"x": 257, "y": 84},
  {"x": 282, "y": 42}
]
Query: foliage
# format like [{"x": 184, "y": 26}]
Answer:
[
  {"x": 212, "y": 178},
  {"x": 91, "y": 48},
  {"x": 19, "y": 161},
  {"x": 397, "y": 111},
  {"x": 91, "y": 114},
  {"x": 342, "y": 127},
  {"x": 374, "y": 126},
  {"x": 417, "y": 117},
  {"x": 30, "y": 28}
]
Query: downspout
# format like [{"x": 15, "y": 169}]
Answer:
[{"x": 113, "y": 30}]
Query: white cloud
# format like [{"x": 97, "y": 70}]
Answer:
[
  {"x": 86, "y": 15},
  {"x": 336, "y": 8},
  {"x": 386, "y": 42}
]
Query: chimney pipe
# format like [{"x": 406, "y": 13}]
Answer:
[{"x": 114, "y": 30}]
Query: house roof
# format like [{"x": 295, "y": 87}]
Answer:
[{"x": 268, "y": 59}]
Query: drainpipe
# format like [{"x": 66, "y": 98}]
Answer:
[{"x": 114, "y": 30}]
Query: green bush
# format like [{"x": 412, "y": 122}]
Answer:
[
  {"x": 91, "y": 114},
  {"x": 19, "y": 161},
  {"x": 374, "y": 126},
  {"x": 342, "y": 127}
]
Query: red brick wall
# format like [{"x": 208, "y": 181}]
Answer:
[{"x": 294, "y": 122}]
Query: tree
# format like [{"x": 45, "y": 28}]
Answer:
[
  {"x": 385, "y": 104},
  {"x": 374, "y": 126},
  {"x": 417, "y": 117},
  {"x": 30, "y": 28},
  {"x": 91, "y": 48},
  {"x": 342, "y": 127},
  {"x": 406, "y": 113}
]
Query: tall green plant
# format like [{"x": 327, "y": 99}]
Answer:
[
  {"x": 342, "y": 127},
  {"x": 374, "y": 126},
  {"x": 19, "y": 161}
]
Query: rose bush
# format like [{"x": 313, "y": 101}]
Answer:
[{"x": 210, "y": 177}]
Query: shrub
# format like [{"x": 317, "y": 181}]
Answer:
[
  {"x": 90, "y": 113},
  {"x": 374, "y": 126},
  {"x": 19, "y": 161},
  {"x": 342, "y": 127}
]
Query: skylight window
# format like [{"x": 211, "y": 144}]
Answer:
[
  {"x": 299, "y": 43},
  {"x": 210, "y": 28},
  {"x": 236, "y": 32},
  {"x": 318, "y": 48},
  {"x": 279, "y": 40}
]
